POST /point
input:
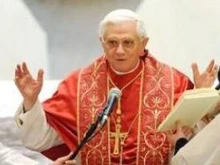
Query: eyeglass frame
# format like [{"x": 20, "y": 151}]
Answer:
[{"x": 127, "y": 43}]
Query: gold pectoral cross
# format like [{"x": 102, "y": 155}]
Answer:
[{"x": 119, "y": 138}]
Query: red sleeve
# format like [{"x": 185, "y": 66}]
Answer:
[{"x": 61, "y": 110}]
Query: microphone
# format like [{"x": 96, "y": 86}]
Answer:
[
  {"x": 218, "y": 86},
  {"x": 113, "y": 97}
]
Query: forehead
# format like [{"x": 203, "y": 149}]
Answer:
[{"x": 125, "y": 29}]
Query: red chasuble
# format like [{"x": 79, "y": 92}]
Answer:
[{"x": 130, "y": 136}]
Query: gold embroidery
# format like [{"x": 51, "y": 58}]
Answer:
[
  {"x": 144, "y": 152},
  {"x": 119, "y": 136}
]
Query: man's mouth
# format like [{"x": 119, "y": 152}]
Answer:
[{"x": 120, "y": 59}]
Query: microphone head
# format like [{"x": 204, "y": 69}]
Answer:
[
  {"x": 115, "y": 91},
  {"x": 113, "y": 97}
]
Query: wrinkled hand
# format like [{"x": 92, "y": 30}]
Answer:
[
  {"x": 207, "y": 78},
  {"x": 27, "y": 85},
  {"x": 180, "y": 132},
  {"x": 64, "y": 160}
]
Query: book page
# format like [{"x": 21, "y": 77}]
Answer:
[{"x": 191, "y": 107}]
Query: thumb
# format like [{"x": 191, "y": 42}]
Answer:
[
  {"x": 40, "y": 76},
  {"x": 178, "y": 126},
  {"x": 66, "y": 157},
  {"x": 70, "y": 162}
]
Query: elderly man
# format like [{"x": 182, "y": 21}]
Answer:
[{"x": 149, "y": 90}]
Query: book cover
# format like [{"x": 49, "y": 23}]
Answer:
[{"x": 191, "y": 107}]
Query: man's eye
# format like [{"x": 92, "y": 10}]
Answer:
[
  {"x": 112, "y": 43},
  {"x": 128, "y": 43}
]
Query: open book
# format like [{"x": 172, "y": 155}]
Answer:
[{"x": 191, "y": 107}]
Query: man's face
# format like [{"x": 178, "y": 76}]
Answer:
[{"x": 122, "y": 45}]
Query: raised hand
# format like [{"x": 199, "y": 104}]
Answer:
[
  {"x": 27, "y": 85},
  {"x": 207, "y": 78}
]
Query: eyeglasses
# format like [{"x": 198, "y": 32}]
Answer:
[{"x": 126, "y": 43}]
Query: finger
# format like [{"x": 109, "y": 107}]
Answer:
[
  {"x": 40, "y": 76},
  {"x": 67, "y": 156},
  {"x": 17, "y": 77},
  {"x": 188, "y": 134},
  {"x": 25, "y": 68},
  {"x": 190, "y": 131},
  {"x": 195, "y": 70},
  {"x": 16, "y": 81},
  {"x": 169, "y": 133},
  {"x": 186, "y": 129},
  {"x": 18, "y": 71},
  {"x": 178, "y": 126},
  {"x": 215, "y": 71},
  {"x": 70, "y": 154},
  {"x": 210, "y": 66},
  {"x": 217, "y": 108},
  {"x": 64, "y": 158},
  {"x": 18, "y": 67},
  {"x": 70, "y": 162}
]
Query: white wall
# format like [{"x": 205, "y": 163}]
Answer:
[
  {"x": 22, "y": 39},
  {"x": 60, "y": 33},
  {"x": 60, "y": 36},
  {"x": 183, "y": 31},
  {"x": 72, "y": 30}
]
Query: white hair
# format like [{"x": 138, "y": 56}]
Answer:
[{"x": 121, "y": 15}]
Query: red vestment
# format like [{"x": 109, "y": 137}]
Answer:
[{"x": 148, "y": 95}]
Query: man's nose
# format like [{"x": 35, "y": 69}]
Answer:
[{"x": 120, "y": 48}]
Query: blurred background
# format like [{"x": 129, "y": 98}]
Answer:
[{"x": 62, "y": 35}]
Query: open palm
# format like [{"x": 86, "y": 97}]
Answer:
[
  {"x": 207, "y": 78},
  {"x": 27, "y": 85}
]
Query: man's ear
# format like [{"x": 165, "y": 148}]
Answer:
[
  {"x": 144, "y": 44},
  {"x": 101, "y": 40}
]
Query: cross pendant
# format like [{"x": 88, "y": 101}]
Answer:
[{"x": 119, "y": 137}]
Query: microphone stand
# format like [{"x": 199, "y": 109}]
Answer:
[
  {"x": 100, "y": 121},
  {"x": 89, "y": 134}
]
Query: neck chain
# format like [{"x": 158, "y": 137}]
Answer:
[
  {"x": 126, "y": 85},
  {"x": 119, "y": 136}
]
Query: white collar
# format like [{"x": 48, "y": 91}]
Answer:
[{"x": 124, "y": 73}]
